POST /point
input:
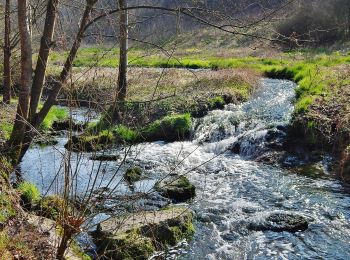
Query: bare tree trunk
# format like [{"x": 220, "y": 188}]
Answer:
[
  {"x": 19, "y": 128},
  {"x": 67, "y": 66},
  {"x": 123, "y": 56},
  {"x": 7, "y": 55},
  {"x": 123, "y": 63},
  {"x": 40, "y": 116},
  {"x": 45, "y": 47}
]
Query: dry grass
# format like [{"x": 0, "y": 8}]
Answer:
[{"x": 145, "y": 84}]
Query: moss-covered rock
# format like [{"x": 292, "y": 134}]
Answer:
[
  {"x": 105, "y": 157},
  {"x": 67, "y": 125},
  {"x": 137, "y": 236},
  {"x": 170, "y": 128},
  {"x": 133, "y": 174},
  {"x": 90, "y": 143},
  {"x": 177, "y": 188}
]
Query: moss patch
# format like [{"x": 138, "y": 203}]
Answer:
[
  {"x": 141, "y": 234},
  {"x": 177, "y": 188},
  {"x": 133, "y": 174},
  {"x": 170, "y": 128},
  {"x": 90, "y": 143}
]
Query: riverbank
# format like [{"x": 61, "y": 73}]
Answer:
[{"x": 320, "y": 120}]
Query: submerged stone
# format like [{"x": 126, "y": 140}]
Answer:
[
  {"x": 279, "y": 222},
  {"x": 139, "y": 235},
  {"x": 177, "y": 188}
]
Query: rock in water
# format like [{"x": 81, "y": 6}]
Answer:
[
  {"x": 133, "y": 174},
  {"x": 139, "y": 235},
  {"x": 279, "y": 222},
  {"x": 177, "y": 188}
]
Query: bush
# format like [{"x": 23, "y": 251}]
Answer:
[{"x": 29, "y": 193}]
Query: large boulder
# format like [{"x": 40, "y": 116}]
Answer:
[
  {"x": 176, "y": 187},
  {"x": 279, "y": 222},
  {"x": 139, "y": 235}
]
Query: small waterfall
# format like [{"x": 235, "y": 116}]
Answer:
[{"x": 246, "y": 125}]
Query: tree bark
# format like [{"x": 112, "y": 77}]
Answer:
[
  {"x": 57, "y": 86},
  {"x": 123, "y": 55},
  {"x": 45, "y": 47},
  {"x": 19, "y": 128},
  {"x": 67, "y": 66},
  {"x": 7, "y": 55}
]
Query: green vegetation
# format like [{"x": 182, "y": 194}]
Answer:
[
  {"x": 177, "y": 188},
  {"x": 55, "y": 114},
  {"x": 99, "y": 135},
  {"x": 139, "y": 238},
  {"x": 169, "y": 128},
  {"x": 124, "y": 134},
  {"x": 6, "y": 208},
  {"x": 89, "y": 143},
  {"x": 216, "y": 103},
  {"x": 315, "y": 76},
  {"x": 133, "y": 174},
  {"x": 128, "y": 245},
  {"x": 51, "y": 206},
  {"x": 29, "y": 193},
  {"x": 6, "y": 129}
]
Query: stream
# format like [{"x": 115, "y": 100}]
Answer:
[{"x": 233, "y": 190}]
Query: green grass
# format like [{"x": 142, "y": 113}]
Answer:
[
  {"x": 55, "y": 114},
  {"x": 125, "y": 134},
  {"x": 6, "y": 129},
  {"x": 6, "y": 209},
  {"x": 169, "y": 128},
  {"x": 30, "y": 194}
]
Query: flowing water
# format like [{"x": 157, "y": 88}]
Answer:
[{"x": 232, "y": 190}]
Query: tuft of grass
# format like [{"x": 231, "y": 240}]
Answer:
[
  {"x": 216, "y": 103},
  {"x": 55, "y": 114},
  {"x": 125, "y": 134},
  {"x": 30, "y": 194}
]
